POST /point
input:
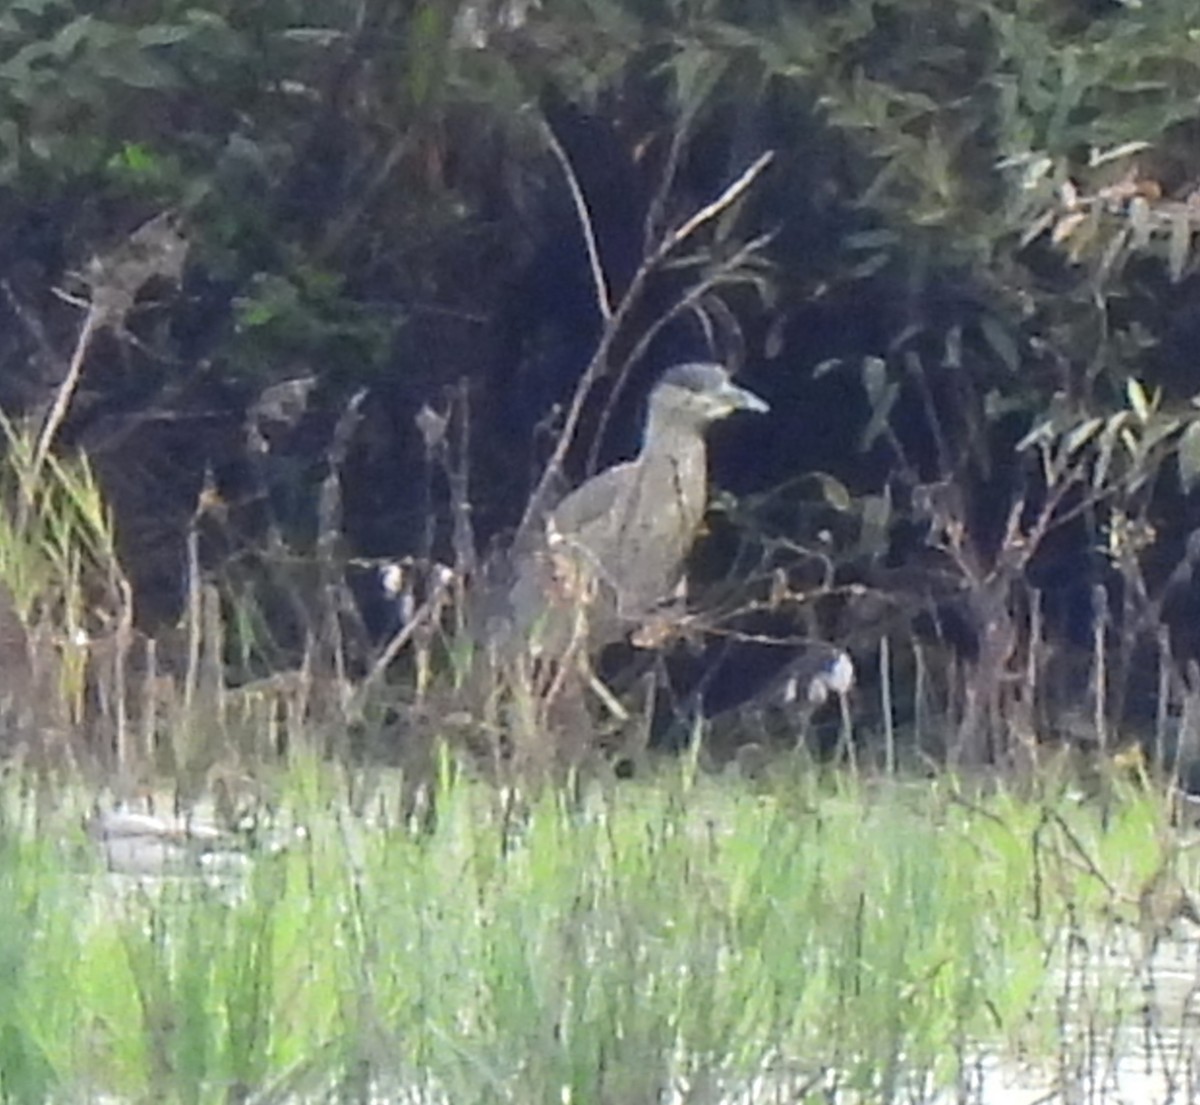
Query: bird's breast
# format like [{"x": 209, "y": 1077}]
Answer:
[{"x": 651, "y": 532}]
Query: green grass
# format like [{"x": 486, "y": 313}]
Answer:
[{"x": 686, "y": 933}]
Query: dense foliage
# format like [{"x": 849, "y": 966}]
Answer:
[{"x": 964, "y": 281}]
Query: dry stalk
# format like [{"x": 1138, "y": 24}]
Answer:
[
  {"x": 586, "y": 226},
  {"x": 711, "y": 210},
  {"x": 122, "y": 644},
  {"x": 92, "y": 323},
  {"x": 885, "y": 693},
  {"x": 1100, "y": 627},
  {"x": 1162, "y": 712},
  {"x": 192, "y": 608},
  {"x": 920, "y": 695},
  {"x": 425, "y": 614},
  {"x": 149, "y": 708},
  {"x": 156, "y": 249},
  {"x": 458, "y": 470}
]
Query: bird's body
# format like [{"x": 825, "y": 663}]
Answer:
[
  {"x": 641, "y": 565},
  {"x": 615, "y": 548}
]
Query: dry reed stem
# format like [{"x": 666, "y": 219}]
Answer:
[
  {"x": 423, "y": 614},
  {"x": 95, "y": 318},
  {"x": 154, "y": 249},
  {"x": 885, "y": 694},
  {"x": 586, "y": 227}
]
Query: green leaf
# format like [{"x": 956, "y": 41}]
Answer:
[
  {"x": 1039, "y": 434},
  {"x": 1001, "y": 342},
  {"x": 1082, "y": 434},
  {"x": 84, "y": 30},
  {"x": 876, "y": 518},
  {"x": 1139, "y": 221},
  {"x": 880, "y": 413},
  {"x": 426, "y": 53},
  {"x": 952, "y": 355},
  {"x": 1158, "y": 432},
  {"x": 1138, "y": 402},
  {"x": 874, "y": 378},
  {"x": 833, "y": 491},
  {"x": 871, "y": 240},
  {"x": 1181, "y": 243},
  {"x": 1105, "y": 447},
  {"x": 135, "y": 159},
  {"x": 1188, "y": 457},
  {"x": 697, "y": 72},
  {"x": 164, "y": 34}
]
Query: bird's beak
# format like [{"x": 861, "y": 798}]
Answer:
[{"x": 739, "y": 399}]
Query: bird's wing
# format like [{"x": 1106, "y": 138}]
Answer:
[{"x": 598, "y": 498}]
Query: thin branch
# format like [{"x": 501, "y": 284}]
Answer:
[
  {"x": 32, "y": 323},
  {"x": 603, "y": 297},
  {"x": 426, "y": 614},
  {"x": 156, "y": 249},
  {"x": 658, "y": 202},
  {"x": 95, "y": 318},
  {"x": 536, "y": 506},
  {"x": 712, "y": 210}
]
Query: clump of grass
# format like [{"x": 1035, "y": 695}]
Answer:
[{"x": 667, "y": 942}]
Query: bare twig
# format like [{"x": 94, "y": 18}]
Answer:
[
  {"x": 37, "y": 331},
  {"x": 425, "y": 614},
  {"x": 603, "y": 298},
  {"x": 93, "y": 320},
  {"x": 711, "y": 210},
  {"x": 658, "y": 202},
  {"x": 154, "y": 249}
]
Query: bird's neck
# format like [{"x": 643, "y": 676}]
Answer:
[
  {"x": 672, "y": 437},
  {"x": 674, "y": 456}
]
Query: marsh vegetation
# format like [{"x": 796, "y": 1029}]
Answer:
[{"x": 805, "y": 938}]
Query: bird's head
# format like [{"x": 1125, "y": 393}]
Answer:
[{"x": 700, "y": 392}]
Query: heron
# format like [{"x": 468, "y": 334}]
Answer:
[{"x": 613, "y": 552}]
